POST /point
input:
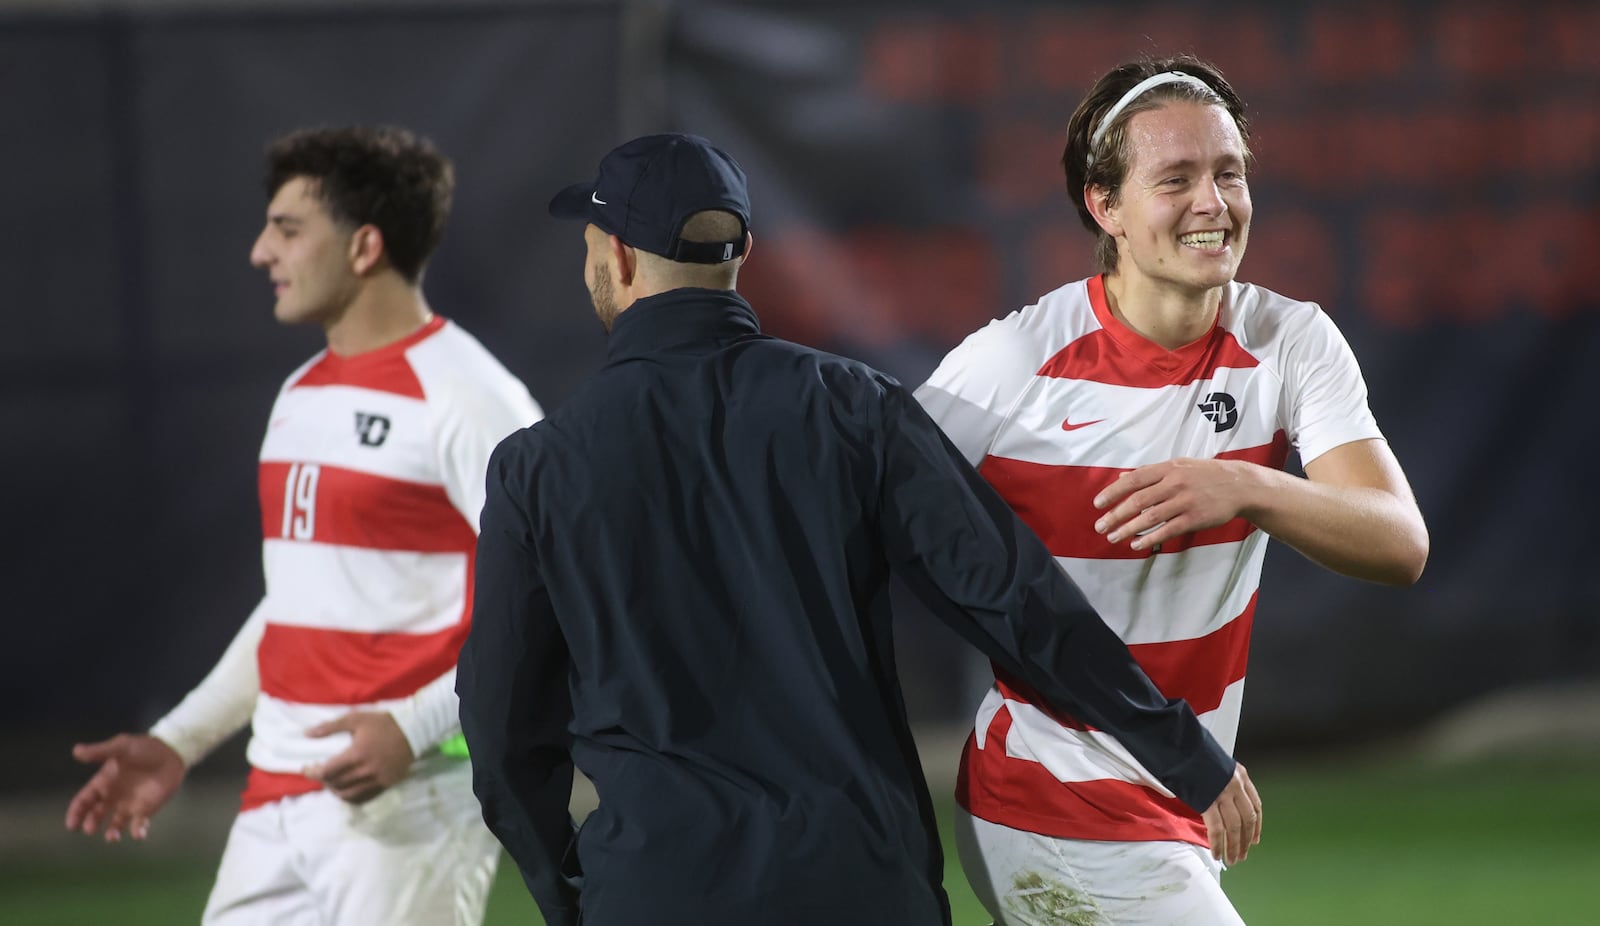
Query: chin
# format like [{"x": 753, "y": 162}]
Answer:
[{"x": 294, "y": 315}]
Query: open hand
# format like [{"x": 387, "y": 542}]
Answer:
[{"x": 137, "y": 774}]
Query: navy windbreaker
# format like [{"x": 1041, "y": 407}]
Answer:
[{"x": 682, "y": 590}]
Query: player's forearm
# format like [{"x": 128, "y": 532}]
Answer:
[
  {"x": 431, "y": 715},
  {"x": 1359, "y": 531},
  {"x": 222, "y": 703}
]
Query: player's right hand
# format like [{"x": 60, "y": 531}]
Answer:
[
  {"x": 137, "y": 775},
  {"x": 1233, "y": 821}
]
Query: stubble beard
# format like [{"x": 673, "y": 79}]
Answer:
[{"x": 603, "y": 296}]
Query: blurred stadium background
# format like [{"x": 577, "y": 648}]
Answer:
[{"x": 1428, "y": 170}]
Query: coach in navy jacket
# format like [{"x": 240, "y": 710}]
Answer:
[{"x": 681, "y": 590}]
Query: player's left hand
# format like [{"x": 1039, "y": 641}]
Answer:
[
  {"x": 1171, "y": 499},
  {"x": 378, "y": 756}
]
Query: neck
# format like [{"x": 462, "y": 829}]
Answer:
[
  {"x": 384, "y": 310},
  {"x": 1164, "y": 315}
]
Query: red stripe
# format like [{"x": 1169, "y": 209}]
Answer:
[
  {"x": 312, "y": 665},
  {"x": 262, "y": 788},
  {"x": 1116, "y": 356},
  {"x": 349, "y": 508},
  {"x": 1014, "y": 689},
  {"x": 1057, "y": 502},
  {"x": 1023, "y": 795},
  {"x": 383, "y": 370},
  {"x": 1201, "y": 669},
  {"x": 1198, "y": 670}
]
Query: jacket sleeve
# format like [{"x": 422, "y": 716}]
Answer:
[
  {"x": 980, "y": 569},
  {"x": 516, "y": 707}
]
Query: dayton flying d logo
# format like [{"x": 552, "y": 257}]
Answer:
[
  {"x": 372, "y": 429},
  {"x": 1221, "y": 410}
]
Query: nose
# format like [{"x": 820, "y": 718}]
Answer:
[
  {"x": 1208, "y": 198},
  {"x": 259, "y": 256}
]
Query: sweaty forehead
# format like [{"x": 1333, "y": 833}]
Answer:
[{"x": 1181, "y": 132}]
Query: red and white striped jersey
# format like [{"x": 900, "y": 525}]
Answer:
[
  {"x": 371, "y": 484},
  {"x": 1051, "y": 404}
]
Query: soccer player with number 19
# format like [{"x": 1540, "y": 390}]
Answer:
[
  {"x": 1139, "y": 421},
  {"x": 356, "y": 810}
]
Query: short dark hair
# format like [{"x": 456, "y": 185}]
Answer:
[
  {"x": 376, "y": 175},
  {"x": 1112, "y": 155}
]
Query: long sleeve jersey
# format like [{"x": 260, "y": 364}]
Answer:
[
  {"x": 371, "y": 481},
  {"x": 682, "y": 590}
]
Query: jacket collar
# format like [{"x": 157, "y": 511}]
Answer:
[{"x": 680, "y": 316}]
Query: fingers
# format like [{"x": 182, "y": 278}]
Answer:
[
  {"x": 335, "y": 769},
  {"x": 1216, "y": 833},
  {"x": 1233, "y": 821},
  {"x": 359, "y": 793},
  {"x": 1254, "y": 799},
  {"x": 83, "y": 803},
  {"x": 344, "y": 724},
  {"x": 120, "y": 817},
  {"x": 84, "y": 811},
  {"x": 1126, "y": 484},
  {"x": 90, "y": 753},
  {"x": 351, "y": 782},
  {"x": 89, "y": 805}
]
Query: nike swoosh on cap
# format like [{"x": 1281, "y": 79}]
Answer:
[
  {"x": 1067, "y": 425},
  {"x": 596, "y": 199}
]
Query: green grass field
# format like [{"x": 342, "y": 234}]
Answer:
[{"x": 1490, "y": 844}]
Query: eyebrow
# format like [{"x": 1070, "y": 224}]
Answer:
[{"x": 282, "y": 219}]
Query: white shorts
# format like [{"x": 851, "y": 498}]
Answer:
[
  {"x": 1025, "y": 879},
  {"x": 418, "y": 853}
]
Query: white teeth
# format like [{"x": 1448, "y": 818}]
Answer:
[{"x": 1209, "y": 239}]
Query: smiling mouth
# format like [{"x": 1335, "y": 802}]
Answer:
[{"x": 1204, "y": 241}]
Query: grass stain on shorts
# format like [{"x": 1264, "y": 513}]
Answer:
[{"x": 1040, "y": 900}]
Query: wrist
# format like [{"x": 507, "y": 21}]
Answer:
[{"x": 1257, "y": 487}]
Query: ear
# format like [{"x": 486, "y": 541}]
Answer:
[
  {"x": 366, "y": 249},
  {"x": 749, "y": 245},
  {"x": 625, "y": 258},
  {"x": 1106, "y": 214}
]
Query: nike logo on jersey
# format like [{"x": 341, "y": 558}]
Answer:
[
  {"x": 1221, "y": 410},
  {"x": 595, "y": 198},
  {"x": 1068, "y": 425},
  {"x": 372, "y": 429}
]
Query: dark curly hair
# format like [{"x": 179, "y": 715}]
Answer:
[
  {"x": 1112, "y": 155},
  {"x": 382, "y": 176}
]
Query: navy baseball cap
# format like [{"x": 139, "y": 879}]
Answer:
[{"x": 647, "y": 189}]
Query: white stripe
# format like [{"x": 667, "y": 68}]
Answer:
[
  {"x": 1078, "y": 755},
  {"x": 364, "y": 591},
  {"x": 317, "y": 424},
  {"x": 278, "y": 741},
  {"x": 1138, "y": 425},
  {"x": 1173, "y": 596}
]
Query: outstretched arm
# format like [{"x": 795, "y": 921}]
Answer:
[
  {"x": 980, "y": 569},
  {"x": 139, "y": 772}
]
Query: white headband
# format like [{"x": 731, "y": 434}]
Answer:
[{"x": 1149, "y": 83}]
